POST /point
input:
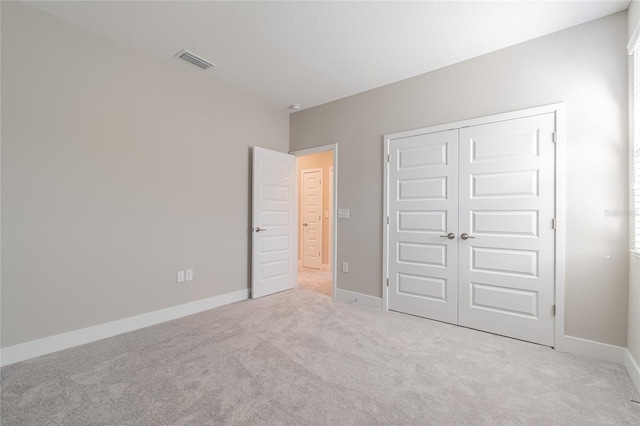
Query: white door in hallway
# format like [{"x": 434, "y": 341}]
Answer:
[
  {"x": 423, "y": 213},
  {"x": 507, "y": 192},
  {"x": 311, "y": 223},
  {"x": 273, "y": 222},
  {"x": 491, "y": 188}
]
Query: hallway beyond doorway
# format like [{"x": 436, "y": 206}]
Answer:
[{"x": 315, "y": 280}]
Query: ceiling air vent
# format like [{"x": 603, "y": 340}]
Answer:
[{"x": 185, "y": 55}]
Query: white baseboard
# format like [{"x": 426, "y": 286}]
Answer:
[
  {"x": 358, "y": 298},
  {"x": 591, "y": 349},
  {"x": 633, "y": 369},
  {"x": 602, "y": 352},
  {"x": 47, "y": 345}
]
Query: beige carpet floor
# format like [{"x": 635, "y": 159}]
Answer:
[{"x": 299, "y": 358}]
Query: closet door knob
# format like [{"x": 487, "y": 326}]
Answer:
[
  {"x": 465, "y": 236},
  {"x": 450, "y": 235}
]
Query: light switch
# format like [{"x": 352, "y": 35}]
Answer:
[{"x": 343, "y": 213}]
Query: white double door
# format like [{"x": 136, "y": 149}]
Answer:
[{"x": 470, "y": 234}]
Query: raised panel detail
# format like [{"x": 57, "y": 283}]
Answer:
[
  {"x": 424, "y": 156},
  {"x": 422, "y": 221},
  {"x": 505, "y": 261},
  {"x": 427, "y": 287},
  {"x": 275, "y": 193},
  {"x": 504, "y": 300},
  {"x": 274, "y": 218},
  {"x": 505, "y": 146},
  {"x": 423, "y": 254},
  {"x": 275, "y": 243},
  {"x": 271, "y": 270},
  {"x": 505, "y": 223},
  {"x": 275, "y": 168},
  {"x": 505, "y": 185},
  {"x": 423, "y": 189}
]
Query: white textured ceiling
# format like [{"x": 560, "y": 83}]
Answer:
[{"x": 315, "y": 52}]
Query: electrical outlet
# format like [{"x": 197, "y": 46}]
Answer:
[
  {"x": 345, "y": 266},
  {"x": 343, "y": 213},
  {"x": 180, "y": 276},
  {"x": 189, "y": 274}
]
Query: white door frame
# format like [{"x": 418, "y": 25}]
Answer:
[
  {"x": 301, "y": 207},
  {"x": 331, "y": 223},
  {"x": 334, "y": 212},
  {"x": 560, "y": 172}
]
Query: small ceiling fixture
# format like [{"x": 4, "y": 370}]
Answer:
[
  {"x": 193, "y": 59},
  {"x": 295, "y": 107}
]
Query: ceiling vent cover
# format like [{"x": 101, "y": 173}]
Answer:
[{"x": 185, "y": 55}]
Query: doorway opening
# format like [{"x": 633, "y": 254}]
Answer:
[{"x": 316, "y": 231}]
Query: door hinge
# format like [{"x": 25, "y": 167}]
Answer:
[
  {"x": 554, "y": 223},
  {"x": 553, "y": 310},
  {"x": 387, "y": 282},
  {"x": 555, "y": 137},
  {"x": 388, "y": 158},
  {"x": 387, "y": 220}
]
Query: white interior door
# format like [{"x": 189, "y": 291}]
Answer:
[
  {"x": 273, "y": 227},
  {"x": 507, "y": 207},
  {"x": 312, "y": 218},
  {"x": 423, "y": 210}
]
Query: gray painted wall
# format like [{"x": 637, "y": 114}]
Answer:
[
  {"x": 117, "y": 171},
  {"x": 633, "y": 334},
  {"x": 585, "y": 67}
]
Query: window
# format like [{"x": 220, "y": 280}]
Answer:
[{"x": 635, "y": 185}]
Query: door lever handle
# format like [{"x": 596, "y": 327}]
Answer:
[
  {"x": 450, "y": 236},
  {"x": 465, "y": 236},
  {"x": 258, "y": 229}
]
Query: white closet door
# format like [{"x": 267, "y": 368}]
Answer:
[
  {"x": 506, "y": 206},
  {"x": 423, "y": 207}
]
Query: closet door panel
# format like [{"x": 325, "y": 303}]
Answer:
[
  {"x": 423, "y": 207},
  {"x": 506, "y": 206}
]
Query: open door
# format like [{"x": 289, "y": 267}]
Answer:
[{"x": 273, "y": 228}]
